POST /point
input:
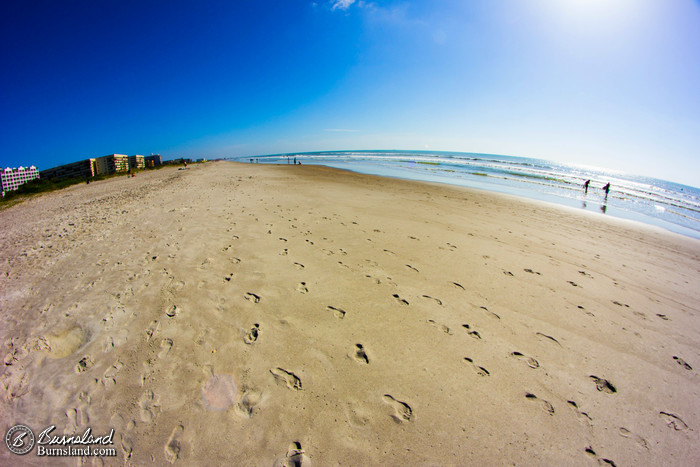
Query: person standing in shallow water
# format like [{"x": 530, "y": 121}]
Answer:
[
  {"x": 607, "y": 190},
  {"x": 585, "y": 186}
]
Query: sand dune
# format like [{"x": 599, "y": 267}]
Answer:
[{"x": 277, "y": 315}]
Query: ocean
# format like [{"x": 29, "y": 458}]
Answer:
[{"x": 665, "y": 204}]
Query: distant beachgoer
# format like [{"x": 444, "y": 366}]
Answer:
[
  {"x": 607, "y": 190},
  {"x": 295, "y": 161},
  {"x": 585, "y": 186}
]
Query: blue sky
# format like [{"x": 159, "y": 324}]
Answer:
[{"x": 607, "y": 83}]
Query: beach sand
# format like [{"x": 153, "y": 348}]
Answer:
[{"x": 261, "y": 315}]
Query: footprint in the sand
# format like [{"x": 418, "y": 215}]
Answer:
[
  {"x": 550, "y": 338},
  {"x": 78, "y": 418},
  {"x": 302, "y": 288},
  {"x": 546, "y": 406},
  {"x": 674, "y": 421},
  {"x": 84, "y": 364},
  {"x": 490, "y": 313},
  {"x": 295, "y": 457},
  {"x": 601, "y": 460},
  {"x": 460, "y": 286},
  {"x": 411, "y": 267},
  {"x": 441, "y": 327},
  {"x": 437, "y": 300},
  {"x": 248, "y": 401},
  {"x": 471, "y": 333},
  {"x": 402, "y": 411},
  {"x": 603, "y": 385},
  {"x": 399, "y": 299},
  {"x": 530, "y": 271},
  {"x": 228, "y": 277},
  {"x": 109, "y": 376},
  {"x": 480, "y": 370},
  {"x": 151, "y": 329},
  {"x": 360, "y": 354},
  {"x": 127, "y": 445},
  {"x": 172, "y": 310},
  {"x": 299, "y": 265},
  {"x": 286, "y": 378},
  {"x": 531, "y": 362},
  {"x": 252, "y": 336},
  {"x": 251, "y": 297},
  {"x": 284, "y": 252},
  {"x": 148, "y": 406},
  {"x": 682, "y": 363},
  {"x": 172, "y": 446},
  {"x": 579, "y": 413},
  {"x": 165, "y": 345},
  {"x": 625, "y": 433},
  {"x": 337, "y": 312},
  {"x": 664, "y": 317}
]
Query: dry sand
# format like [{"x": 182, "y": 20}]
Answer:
[{"x": 249, "y": 314}]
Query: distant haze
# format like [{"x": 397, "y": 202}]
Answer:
[{"x": 605, "y": 83}]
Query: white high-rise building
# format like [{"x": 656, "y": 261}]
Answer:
[{"x": 11, "y": 179}]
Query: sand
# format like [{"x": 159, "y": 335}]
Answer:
[{"x": 262, "y": 315}]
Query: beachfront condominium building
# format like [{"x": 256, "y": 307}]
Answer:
[
  {"x": 153, "y": 160},
  {"x": 112, "y": 164},
  {"x": 137, "y": 162},
  {"x": 82, "y": 169},
  {"x": 11, "y": 179}
]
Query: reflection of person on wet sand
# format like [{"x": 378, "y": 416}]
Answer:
[
  {"x": 607, "y": 190},
  {"x": 585, "y": 186}
]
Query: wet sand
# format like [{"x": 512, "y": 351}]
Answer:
[{"x": 260, "y": 315}]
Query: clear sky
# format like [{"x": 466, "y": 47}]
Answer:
[{"x": 607, "y": 83}]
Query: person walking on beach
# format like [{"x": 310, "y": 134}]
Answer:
[
  {"x": 585, "y": 187},
  {"x": 607, "y": 190}
]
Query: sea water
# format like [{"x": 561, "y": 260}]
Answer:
[{"x": 658, "y": 202}]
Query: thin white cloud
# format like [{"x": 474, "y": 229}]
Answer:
[
  {"x": 345, "y": 130},
  {"x": 342, "y": 4}
]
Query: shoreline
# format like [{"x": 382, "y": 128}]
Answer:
[
  {"x": 263, "y": 314},
  {"x": 623, "y": 204}
]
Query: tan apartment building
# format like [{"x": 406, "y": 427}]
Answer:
[
  {"x": 112, "y": 163},
  {"x": 137, "y": 162},
  {"x": 82, "y": 169}
]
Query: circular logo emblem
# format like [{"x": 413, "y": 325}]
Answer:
[{"x": 19, "y": 439}]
